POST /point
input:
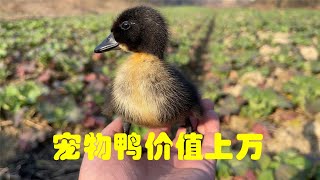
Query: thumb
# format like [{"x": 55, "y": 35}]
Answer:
[{"x": 116, "y": 126}]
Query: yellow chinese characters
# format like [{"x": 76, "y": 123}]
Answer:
[
  {"x": 250, "y": 141},
  {"x": 120, "y": 144},
  {"x": 218, "y": 144},
  {"x": 130, "y": 144},
  {"x": 68, "y": 146},
  {"x": 99, "y": 146},
  {"x": 134, "y": 146},
  {"x": 189, "y": 146},
  {"x": 163, "y": 144}
]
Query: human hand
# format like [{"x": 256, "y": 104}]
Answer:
[{"x": 161, "y": 169}]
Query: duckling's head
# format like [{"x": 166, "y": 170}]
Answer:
[{"x": 140, "y": 29}]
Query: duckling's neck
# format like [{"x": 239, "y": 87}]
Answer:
[
  {"x": 141, "y": 56},
  {"x": 156, "y": 52},
  {"x": 156, "y": 48}
]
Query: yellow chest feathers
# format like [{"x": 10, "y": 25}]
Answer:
[{"x": 132, "y": 88}]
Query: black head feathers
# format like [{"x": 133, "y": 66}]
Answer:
[{"x": 141, "y": 29}]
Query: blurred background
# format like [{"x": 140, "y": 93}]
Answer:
[{"x": 258, "y": 60}]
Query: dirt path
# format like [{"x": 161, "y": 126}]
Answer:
[
  {"x": 195, "y": 67},
  {"x": 21, "y": 9}
]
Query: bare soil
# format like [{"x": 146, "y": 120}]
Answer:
[{"x": 20, "y": 9}]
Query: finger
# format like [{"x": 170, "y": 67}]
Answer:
[
  {"x": 208, "y": 127},
  {"x": 179, "y": 131},
  {"x": 210, "y": 123},
  {"x": 194, "y": 123},
  {"x": 157, "y": 131},
  {"x": 115, "y": 126}
]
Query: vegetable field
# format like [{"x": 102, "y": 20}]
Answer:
[{"x": 261, "y": 68}]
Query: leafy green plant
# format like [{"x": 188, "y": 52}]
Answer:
[
  {"x": 266, "y": 175},
  {"x": 3, "y": 72},
  {"x": 15, "y": 96},
  {"x": 312, "y": 67},
  {"x": 3, "y": 49},
  {"x": 74, "y": 86},
  {"x": 294, "y": 165},
  {"x": 223, "y": 169},
  {"x": 303, "y": 89},
  {"x": 261, "y": 102},
  {"x": 211, "y": 91},
  {"x": 60, "y": 110}
]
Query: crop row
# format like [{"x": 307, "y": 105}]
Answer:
[{"x": 53, "y": 58}]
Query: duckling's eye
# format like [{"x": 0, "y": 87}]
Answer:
[{"x": 125, "y": 25}]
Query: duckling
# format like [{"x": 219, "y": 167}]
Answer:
[{"x": 147, "y": 91}]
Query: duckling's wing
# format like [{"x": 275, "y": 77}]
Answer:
[{"x": 181, "y": 96}]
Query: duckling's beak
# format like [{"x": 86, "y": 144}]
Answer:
[{"x": 108, "y": 44}]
